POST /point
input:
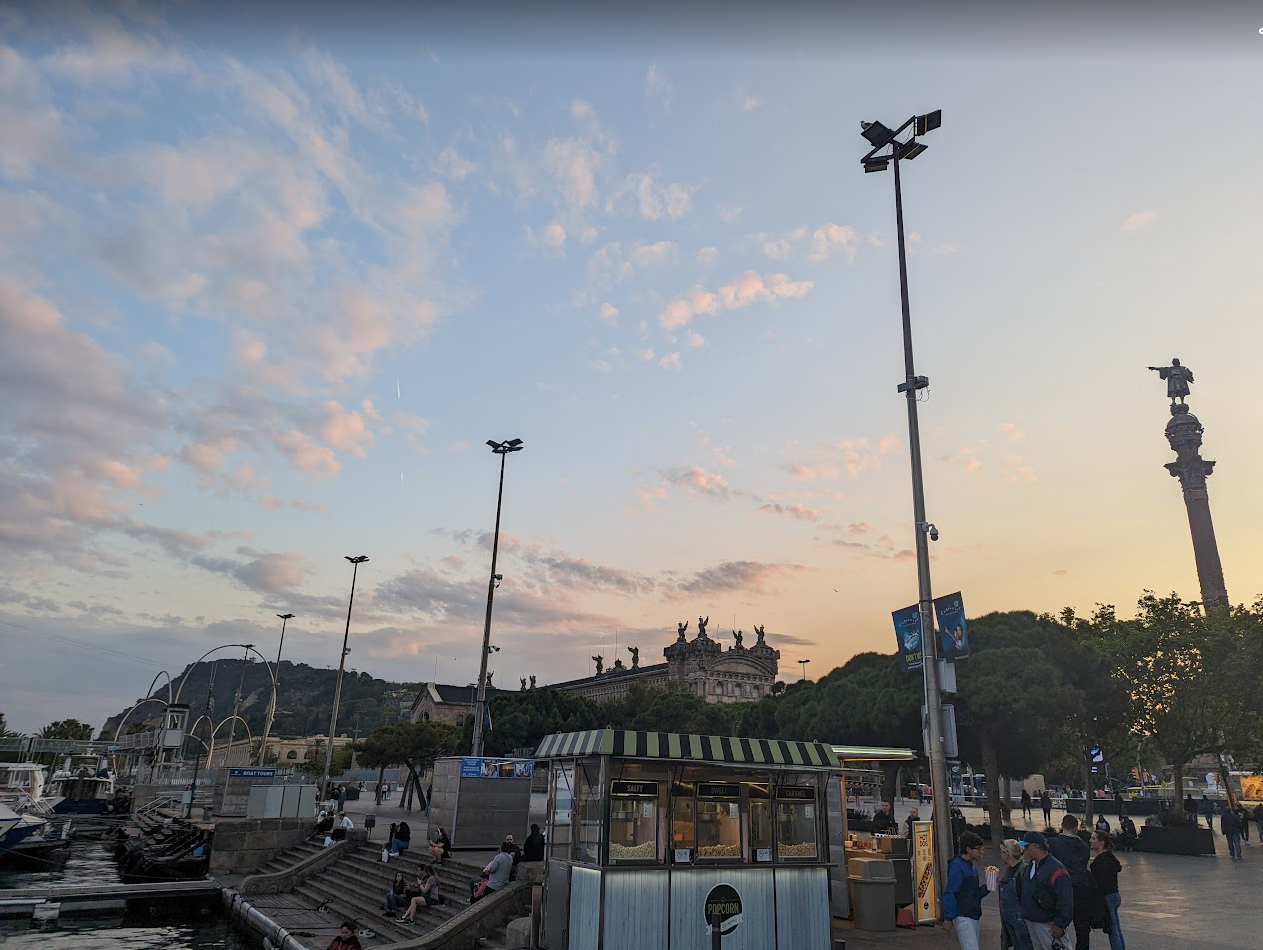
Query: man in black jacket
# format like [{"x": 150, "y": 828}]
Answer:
[
  {"x": 1074, "y": 853},
  {"x": 884, "y": 822},
  {"x": 1045, "y": 892},
  {"x": 533, "y": 846}
]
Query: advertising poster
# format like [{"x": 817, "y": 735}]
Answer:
[
  {"x": 953, "y": 631},
  {"x": 923, "y": 872},
  {"x": 471, "y": 767},
  {"x": 908, "y": 636}
]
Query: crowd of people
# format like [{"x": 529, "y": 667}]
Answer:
[{"x": 1047, "y": 884}]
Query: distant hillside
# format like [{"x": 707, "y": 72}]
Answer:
[{"x": 304, "y": 703}]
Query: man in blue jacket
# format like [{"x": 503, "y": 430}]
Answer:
[
  {"x": 1045, "y": 892},
  {"x": 962, "y": 897}
]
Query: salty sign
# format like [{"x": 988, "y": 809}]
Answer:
[{"x": 723, "y": 909}]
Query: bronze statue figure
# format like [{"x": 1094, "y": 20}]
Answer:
[
  {"x": 600, "y": 664},
  {"x": 1178, "y": 377},
  {"x": 701, "y": 626},
  {"x": 523, "y": 686},
  {"x": 759, "y": 630},
  {"x": 736, "y": 635},
  {"x": 532, "y": 686},
  {"x": 490, "y": 673},
  {"x": 681, "y": 628},
  {"x": 635, "y": 652}
]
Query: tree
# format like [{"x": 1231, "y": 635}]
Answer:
[
  {"x": 1192, "y": 677},
  {"x": 4, "y": 728},
  {"x": 414, "y": 745},
  {"x": 66, "y": 729}
]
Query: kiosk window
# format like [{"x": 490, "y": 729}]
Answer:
[
  {"x": 588, "y": 812},
  {"x": 683, "y": 816},
  {"x": 559, "y": 840},
  {"x": 760, "y": 805},
  {"x": 633, "y": 821},
  {"x": 718, "y": 829},
  {"x": 796, "y": 822}
]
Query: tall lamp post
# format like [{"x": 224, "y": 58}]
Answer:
[
  {"x": 276, "y": 685},
  {"x": 803, "y": 664},
  {"x": 337, "y": 691},
  {"x": 501, "y": 449},
  {"x": 888, "y": 150}
]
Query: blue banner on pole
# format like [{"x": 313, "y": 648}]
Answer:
[
  {"x": 953, "y": 630},
  {"x": 908, "y": 636}
]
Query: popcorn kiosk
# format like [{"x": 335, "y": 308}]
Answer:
[{"x": 657, "y": 840}]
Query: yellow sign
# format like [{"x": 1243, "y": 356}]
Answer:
[
  {"x": 1252, "y": 788},
  {"x": 923, "y": 871}
]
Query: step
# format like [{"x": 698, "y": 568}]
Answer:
[{"x": 390, "y": 930}]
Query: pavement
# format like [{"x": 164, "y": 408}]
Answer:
[{"x": 1170, "y": 902}]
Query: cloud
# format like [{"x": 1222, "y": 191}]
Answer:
[
  {"x": 1140, "y": 221},
  {"x": 744, "y": 577},
  {"x": 803, "y": 472},
  {"x": 739, "y": 292},
  {"x": 1012, "y": 431},
  {"x": 697, "y": 481},
  {"x": 573, "y": 164},
  {"x": 797, "y": 510},
  {"x": 1061, "y": 572},
  {"x": 671, "y": 361},
  {"x": 657, "y": 89},
  {"x": 608, "y": 312},
  {"x": 831, "y": 239},
  {"x": 653, "y": 199}
]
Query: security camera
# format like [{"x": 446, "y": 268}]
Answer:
[
  {"x": 929, "y": 529},
  {"x": 933, "y": 533}
]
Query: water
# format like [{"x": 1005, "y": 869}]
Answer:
[{"x": 189, "y": 924}]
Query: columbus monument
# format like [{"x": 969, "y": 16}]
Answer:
[{"x": 1184, "y": 433}]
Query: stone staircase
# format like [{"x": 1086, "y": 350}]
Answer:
[{"x": 354, "y": 888}]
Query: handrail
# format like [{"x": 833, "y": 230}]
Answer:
[{"x": 157, "y": 804}]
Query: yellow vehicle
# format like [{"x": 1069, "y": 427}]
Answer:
[{"x": 1247, "y": 787}]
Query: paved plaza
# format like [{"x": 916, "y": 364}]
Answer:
[{"x": 1170, "y": 902}]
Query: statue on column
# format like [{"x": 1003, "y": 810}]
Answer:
[
  {"x": 1178, "y": 378},
  {"x": 600, "y": 664}
]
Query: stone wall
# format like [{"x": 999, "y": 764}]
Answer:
[{"x": 243, "y": 845}]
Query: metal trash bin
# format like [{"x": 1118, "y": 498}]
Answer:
[
  {"x": 370, "y": 822},
  {"x": 208, "y": 812},
  {"x": 872, "y": 884}
]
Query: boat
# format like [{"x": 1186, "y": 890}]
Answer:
[
  {"x": 16, "y": 828},
  {"x": 21, "y": 782},
  {"x": 84, "y": 785}
]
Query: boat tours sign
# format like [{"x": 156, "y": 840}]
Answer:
[
  {"x": 908, "y": 636},
  {"x": 252, "y": 773},
  {"x": 473, "y": 767}
]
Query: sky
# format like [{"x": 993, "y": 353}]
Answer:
[{"x": 272, "y": 275}]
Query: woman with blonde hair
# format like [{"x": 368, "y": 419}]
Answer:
[{"x": 1013, "y": 931}]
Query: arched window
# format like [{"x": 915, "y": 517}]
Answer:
[{"x": 291, "y": 754}]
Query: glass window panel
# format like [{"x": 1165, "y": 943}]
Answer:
[
  {"x": 683, "y": 816},
  {"x": 796, "y": 823},
  {"x": 563, "y": 803},
  {"x": 587, "y": 810},
  {"x": 718, "y": 829},
  {"x": 633, "y": 829}
]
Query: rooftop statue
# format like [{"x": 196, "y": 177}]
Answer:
[{"x": 1178, "y": 378}]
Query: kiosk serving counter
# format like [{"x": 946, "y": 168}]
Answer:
[{"x": 652, "y": 837}]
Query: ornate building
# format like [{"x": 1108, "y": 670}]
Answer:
[{"x": 739, "y": 674}]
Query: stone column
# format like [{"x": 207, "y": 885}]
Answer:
[{"x": 1184, "y": 433}]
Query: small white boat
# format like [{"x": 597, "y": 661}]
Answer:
[
  {"x": 21, "y": 782},
  {"x": 84, "y": 785},
  {"x": 16, "y": 828}
]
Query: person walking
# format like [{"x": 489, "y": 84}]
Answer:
[
  {"x": 1258, "y": 820},
  {"x": 1230, "y": 826},
  {"x": 1026, "y": 804},
  {"x": 1190, "y": 810},
  {"x": 1045, "y": 802},
  {"x": 1244, "y": 820},
  {"x": 962, "y": 897},
  {"x": 1072, "y": 851},
  {"x": 1105, "y": 868},
  {"x": 1045, "y": 893},
  {"x": 1013, "y": 932}
]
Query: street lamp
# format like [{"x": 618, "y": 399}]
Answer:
[
  {"x": 337, "y": 690},
  {"x": 803, "y": 664},
  {"x": 883, "y": 138},
  {"x": 501, "y": 449},
  {"x": 276, "y": 685}
]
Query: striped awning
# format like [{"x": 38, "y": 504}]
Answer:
[{"x": 670, "y": 745}]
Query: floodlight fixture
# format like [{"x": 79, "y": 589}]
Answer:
[
  {"x": 876, "y": 165},
  {"x": 929, "y": 122},
  {"x": 876, "y": 133},
  {"x": 911, "y": 150}
]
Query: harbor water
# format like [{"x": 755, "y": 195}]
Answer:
[{"x": 157, "y": 925}]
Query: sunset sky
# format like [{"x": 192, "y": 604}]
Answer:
[{"x": 269, "y": 281}]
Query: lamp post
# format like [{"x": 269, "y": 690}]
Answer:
[
  {"x": 501, "y": 449},
  {"x": 337, "y": 690},
  {"x": 803, "y": 664},
  {"x": 276, "y": 685},
  {"x": 883, "y": 138}
]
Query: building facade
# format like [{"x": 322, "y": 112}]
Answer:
[{"x": 738, "y": 674}]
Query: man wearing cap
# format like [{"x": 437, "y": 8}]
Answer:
[
  {"x": 1073, "y": 852},
  {"x": 1045, "y": 892}
]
